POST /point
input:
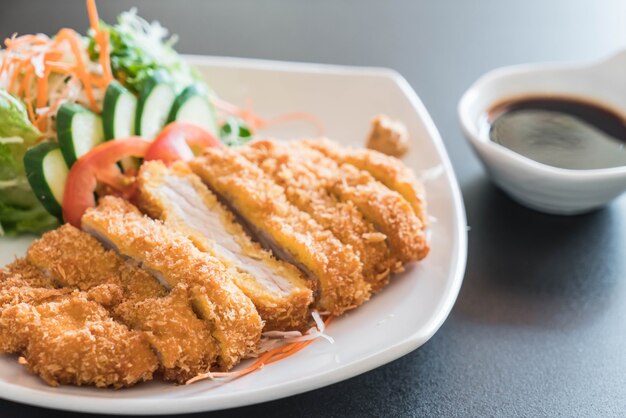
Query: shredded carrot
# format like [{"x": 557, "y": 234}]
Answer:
[
  {"x": 59, "y": 67},
  {"x": 105, "y": 56},
  {"x": 42, "y": 89},
  {"x": 287, "y": 117},
  {"x": 33, "y": 39},
  {"x": 102, "y": 39},
  {"x": 94, "y": 20},
  {"x": 72, "y": 38},
  {"x": 247, "y": 115},
  {"x": 22, "y": 61},
  {"x": 18, "y": 66},
  {"x": 256, "y": 122},
  {"x": 29, "y": 100},
  {"x": 270, "y": 357}
]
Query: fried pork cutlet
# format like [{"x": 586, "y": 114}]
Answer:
[
  {"x": 180, "y": 199},
  {"x": 291, "y": 233},
  {"x": 306, "y": 190},
  {"x": 386, "y": 169},
  {"x": 171, "y": 257},
  {"x": 385, "y": 208},
  {"x": 20, "y": 282},
  {"x": 73, "y": 340},
  {"x": 75, "y": 259},
  {"x": 182, "y": 341}
]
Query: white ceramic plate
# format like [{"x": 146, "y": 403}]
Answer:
[{"x": 396, "y": 321}]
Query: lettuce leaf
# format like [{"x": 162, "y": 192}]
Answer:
[
  {"x": 20, "y": 211},
  {"x": 139, "y": 49}
]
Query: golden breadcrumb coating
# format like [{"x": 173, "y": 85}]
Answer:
[
  {"x": 387, "y": 169},
  {"x": 290, "y": 231},
  {"x": 180, "y": 199},
  {"x": 233, "y": 319},
  {"x": 182, "y": 340},
  {"x": 386, "y": 209},
  {"x": 74, "y": 341},
  {"x": 76, "y": 259},
  {"x": 21, "y": 282},
  {"x": 306, "y": 190},
  {"x": 391, "y": 214},
  {"x": 21, "y": 273}
]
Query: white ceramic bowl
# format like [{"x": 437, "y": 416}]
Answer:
[{"x": 536, "y": 185}]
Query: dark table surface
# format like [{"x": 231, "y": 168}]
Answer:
[{"x": 539, "y": 328}]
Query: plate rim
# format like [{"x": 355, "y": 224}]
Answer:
[{"x": 75, "y": 403}]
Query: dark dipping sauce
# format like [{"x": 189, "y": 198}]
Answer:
[{"x": 562, "y": 132}]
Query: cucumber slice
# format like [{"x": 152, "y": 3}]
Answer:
[
  {"x": 118, "y": 112},
  {"x": 46, "y": 171},
  {"x": 155, "y": 102},
  {"x": 79, "y": 130},
  {"x": 118, "y": 117},
  {"x": 193, "y": 105}
]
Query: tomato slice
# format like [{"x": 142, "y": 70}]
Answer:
[
  {"x": 177, "y": 142},
  {"x": 99, "y": 164}
]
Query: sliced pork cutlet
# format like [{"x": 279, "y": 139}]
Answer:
[
  {"x": 174, "y": 260},
  {"x": 73, "y": 340},
  {"x": 182, "y": 341},
  {"x": 386, "y": 169},
  {"x": 180, "y": 199},
  {"x": 306, "y": 190},
  {"x": 22, "y": 283},
  {"x": 293, "y": 235},
  {"x": 385, "y": 208},
  {"x": 74, "y": 259}
]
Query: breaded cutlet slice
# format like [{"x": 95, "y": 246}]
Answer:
[
  {"x": 180, "y": 199},
  {"x": 75, "y": 259},
  {"x": 391, "y": 214},
  {"x": 385, "y": 208},
  {"x": 174, "y": 260},
  {"x": 73, "y": 340},
  {"x": 21, "y": 282},
  {"x": 307, "y": 191},
  {"x": 182, "y": 341},
  {"x": 388, "y": 170},
  {"x": 289, "y": 232}
]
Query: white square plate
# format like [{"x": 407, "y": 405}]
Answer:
[{"x": 396, "y": 321}]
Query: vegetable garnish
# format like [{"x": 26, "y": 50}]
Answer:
[
  {"x": 45, "y": 72},
  {"x": 234, "y": 132},
  {"x": 20, "y": 211},
  {"x": 175, "y": 142},
  {"x": 101, "y": 38},
  {"x": 178, "y": 141},
  {"x": 269, "y": 357},
  {"x": 138, "y": 49},
  {"x": 99, "y": 164},
  {"x": 256, "y": 122}
]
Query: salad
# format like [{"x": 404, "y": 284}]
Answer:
[{"x": 69, "y": 95}]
